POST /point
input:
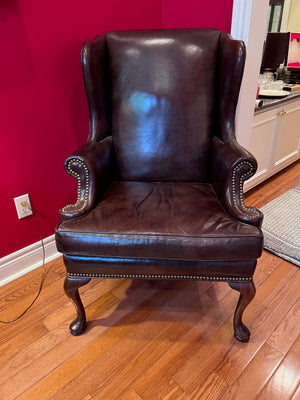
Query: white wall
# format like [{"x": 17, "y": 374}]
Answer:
[
  {"x": 293, "y": 24},
  {"x": 249, "y": 24},
  {"x": 285, "y": 16}
]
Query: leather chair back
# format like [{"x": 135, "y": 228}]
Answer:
[{"x": 162, "y": 102}]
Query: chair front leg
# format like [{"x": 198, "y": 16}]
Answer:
[
  {"x": 247, "y": 290},
  {"x": 71, "y": 285}
]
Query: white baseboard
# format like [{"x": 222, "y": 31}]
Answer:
[{"x": 27, "y": 259}]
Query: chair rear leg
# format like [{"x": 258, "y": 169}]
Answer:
[
  {"x": 247, "y": 290},
  {"x": 71, "y": 285}
]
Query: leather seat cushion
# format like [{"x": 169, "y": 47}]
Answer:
[{"x": 160, "y": 220}]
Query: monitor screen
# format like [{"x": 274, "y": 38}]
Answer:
[{"x": 275, "y": 50}]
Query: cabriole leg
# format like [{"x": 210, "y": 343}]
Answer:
[
  {"x": 247, "y": 290},
  {"x": 71, "y": 285}
]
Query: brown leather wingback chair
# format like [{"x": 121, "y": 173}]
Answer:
[{"x": 160, "y": 179}]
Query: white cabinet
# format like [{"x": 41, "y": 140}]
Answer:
[{"x": 275, "y": 139}]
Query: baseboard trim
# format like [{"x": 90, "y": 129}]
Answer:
[{"x": 27, "y": 259}]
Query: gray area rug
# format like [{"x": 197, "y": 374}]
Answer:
[{"x": 281, "y": 225}]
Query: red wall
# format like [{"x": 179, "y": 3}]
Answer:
[
  {"x": 197, "y": 14},
  {"x": 43, "y": 113},
  {"x": 42, "y": 104}
]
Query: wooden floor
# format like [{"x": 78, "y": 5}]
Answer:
[{"x": 145, "y": 342}]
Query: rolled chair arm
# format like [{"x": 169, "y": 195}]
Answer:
[
  {"x": 231, "y": 166},
  {"x": 93, "y": 167}
]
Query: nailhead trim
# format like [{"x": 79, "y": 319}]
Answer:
[
  {"x": 239, "y": 190},
  {"x": 154, "y": 276},
  {"x": 79, "y": 188}
]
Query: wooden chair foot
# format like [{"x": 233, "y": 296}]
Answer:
[
  {"x": 247, "y": 290},
  {"x": 71, "y": 286}
]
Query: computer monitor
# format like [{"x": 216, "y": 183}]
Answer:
[{"x": 275, "y": 50}]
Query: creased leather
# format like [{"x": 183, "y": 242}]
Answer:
[
  {"x": 178, "y": 220},
  {"x": 229, "y": 189}
]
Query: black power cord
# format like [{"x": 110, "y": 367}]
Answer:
[{"x": 44, "y": 275}]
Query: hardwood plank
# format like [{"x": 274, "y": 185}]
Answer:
[
  {"x": 296, "y": 395},
  {"x": 266, "y": 265},
  {"x": 277, "y": 280},
  {"x": 218, "y": 291},
  {"x": 256, "y": 375},
  {"x": 287, "y": 331},
  {"x": 175, "y": 392},
  {"x": 286, "y": 378},
  {"x": 9, "y": 348},
  {"x": 130, "y": 395},
  {"x": 213, "y": 387}
]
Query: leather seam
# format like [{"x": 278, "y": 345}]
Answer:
[{"x": 152, "y": 235}]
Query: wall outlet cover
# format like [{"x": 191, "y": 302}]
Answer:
[{"x": 23, "y": 206}]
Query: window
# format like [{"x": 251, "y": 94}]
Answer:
[{"x": 275, "y": 15}]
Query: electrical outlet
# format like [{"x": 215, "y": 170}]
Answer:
[{"x": 23, "y": 206}]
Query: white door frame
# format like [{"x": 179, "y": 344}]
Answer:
[{"x": 249, "y": 18}]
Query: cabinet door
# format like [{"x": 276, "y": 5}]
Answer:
[
  {"x": 275, "y": 140},
  {"x": 261, "y": 145},
  {"x": 288, "y": 139}
]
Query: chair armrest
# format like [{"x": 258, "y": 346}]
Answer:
[
  {"x": 231, "y": 166},
  {"x": 93, "y": 166}
]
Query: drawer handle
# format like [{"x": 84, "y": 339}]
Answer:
[{"x": 283, "y": 112}]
